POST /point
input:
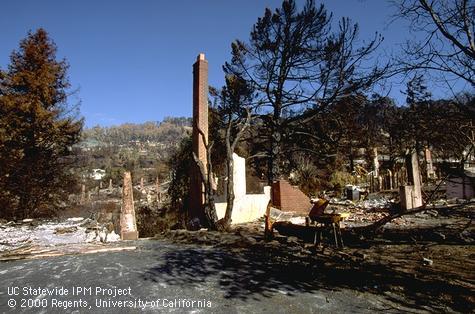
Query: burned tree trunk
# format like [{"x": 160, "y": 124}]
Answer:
[
  {"x": 206, "y": 179},
  {"x": 229, "y": 188},
  {"x": 209, "y": 206}
]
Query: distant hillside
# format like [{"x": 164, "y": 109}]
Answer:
[
  {"x": 141, "y": 148},
  {"x": 168, "y": 132}
]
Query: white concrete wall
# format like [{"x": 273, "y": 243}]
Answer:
[
  {"x": 239, "y": 176},
  {"x": 246, "y": 208}
]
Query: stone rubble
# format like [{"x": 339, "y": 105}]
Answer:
[{"x": 48, "y": 233}]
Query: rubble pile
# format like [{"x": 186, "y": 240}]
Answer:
[
  {"x": 359, "y": 215},
  {"x": 373, "y": 201},
  {"x": 51, "y": 233},
  {"x": 359, "y": 212}
]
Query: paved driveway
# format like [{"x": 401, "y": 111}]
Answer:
[{"x": 163, "y": 277}]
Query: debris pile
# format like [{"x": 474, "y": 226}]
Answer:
[
  {"x": 360, "y": 216},
  {"x": 30, "y": 232},
  {"x": 378, "y": 203}
]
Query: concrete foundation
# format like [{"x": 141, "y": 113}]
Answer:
[{"x": 239, "y": 176}]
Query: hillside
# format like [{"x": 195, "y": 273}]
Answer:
[
  {"x": 166, "y": 132},
  {"x": 141, "y": 148}
]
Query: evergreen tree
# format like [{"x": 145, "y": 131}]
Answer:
[
  {"x": 37, "y": 129},
  {"x": 416, "y": 91},
  {"x": 418, "y": 100}
]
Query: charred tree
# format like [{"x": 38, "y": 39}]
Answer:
[{"x": 298, "y": 65}]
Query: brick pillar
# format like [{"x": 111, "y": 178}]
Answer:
[
  {"x": 429, "y": 165},
  {"x": 200, "y": 120},
  {"x": 157, "y": 183},
  {"x": 128, "y": 225},
  {"x": 376, "y": 178},
  {"x": 82, "y": 200},
  {"x": 375, "y": 162},
  {"x": 411, "y": 194},
  {"x": 415, "y": 177}
]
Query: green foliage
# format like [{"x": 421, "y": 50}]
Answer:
[
  {"x": 180, "y": 165},
  {"x": 151, "y": 222},
  {"x": 339, "y": 179},
  {"x": 417, "y": 91},
  {"x": 116, "y": 174},
  {"x": 37, "y": 129},
  {"x": 305, "y": 175}
]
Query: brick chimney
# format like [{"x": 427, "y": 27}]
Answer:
[{"x": 200, "y": 120}]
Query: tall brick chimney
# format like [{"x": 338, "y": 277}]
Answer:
[
  {"x": 200, "y": 105},
  {"x": 200, "y": 120}
]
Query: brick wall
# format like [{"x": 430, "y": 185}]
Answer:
[{"x": 289, "y": 198}]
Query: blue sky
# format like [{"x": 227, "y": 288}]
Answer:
[{"x": 132, "y": 60}]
